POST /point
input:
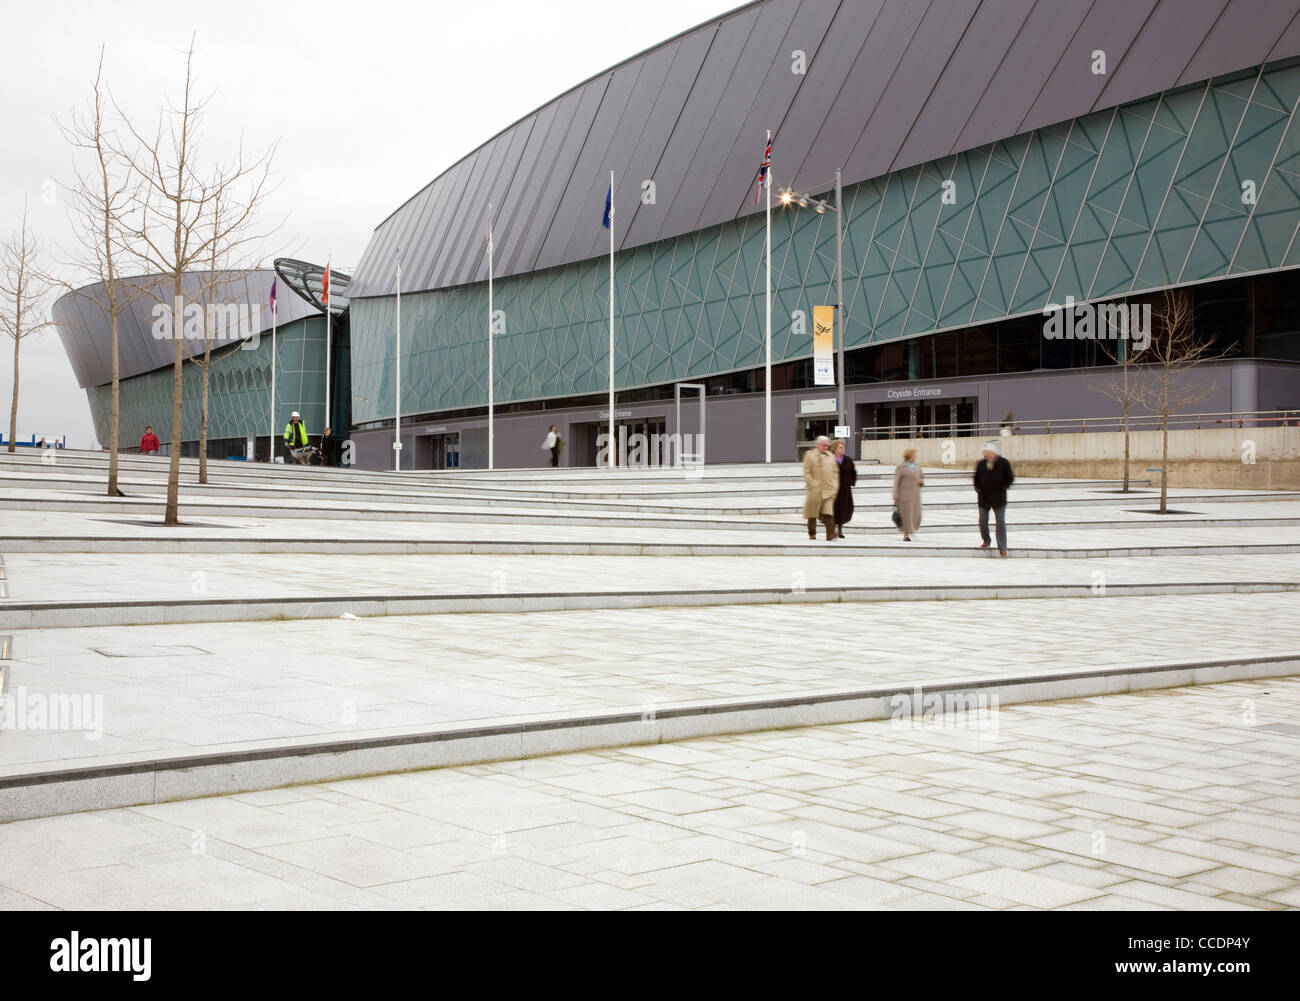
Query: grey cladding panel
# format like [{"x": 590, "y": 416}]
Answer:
[
  {"x": 450, "y": 208},
  {"x": 804, "y": 125},
  {"x": 653, "y": 222},
  {"x": 863, "y": 89},
  {"x": 1112, "y": 27},
  {"x": 931, "y": 47},
  {"x": 639, "y": 133},
  {"x": 983, "y": 46},
  {"x": 1162, "y": 50},
  {"x": 769, "y": 105},
  {"x": 562, "y": 154},
  {"x": 1243, "y": 35},
  {"x": 1019, "y": 77},
  {"x": 729, "y": 160},
  {"x": 648, "y": 155},
  {"x": 578, "y": 217},
  {"x": 470, "y": 261}
]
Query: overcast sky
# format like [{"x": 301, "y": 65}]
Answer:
[{"x": 368, "y": 101}]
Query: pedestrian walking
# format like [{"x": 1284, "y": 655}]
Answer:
[
  {"x": 993, "y": 475},
  {"x": 821, "y": 478},
  {"x": 848, "y": 480},
  {"x": 553, "y": 443},
  {"x": 149, "y": 442},
  {"x": 909, "y": 478},
  {"x": 330, "y": 446}
]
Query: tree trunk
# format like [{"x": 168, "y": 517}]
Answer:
[
  {"x": 115, "y": 413},
  {"x": 1126, "y": 452},
  {"x": 203, "y": 416},
  {"x": 13, "y": 409},
  {"x": 1164, "y": 465},
  {"x": 172, "y": 515},
  {"x": 1128, "y": 405}
]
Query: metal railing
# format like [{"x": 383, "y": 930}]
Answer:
[{"x": 1077, "y": 425}]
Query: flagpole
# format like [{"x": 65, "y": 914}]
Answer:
[
  {"x": 397, "y": 424},
  {"x": 492, "y": 360},
  {"x": 275, "y": 309},
  {"x": 611, "y": 320},
  {"x": 767, "y": 365},
  {"x": 328, "y": 332}
]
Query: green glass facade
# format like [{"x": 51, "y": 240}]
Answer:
[
  {"x": 1190, "y": 185},
  {"x": 239, "y": 398}
]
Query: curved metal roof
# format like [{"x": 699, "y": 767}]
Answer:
[
  {"x": 84, "y": 326},
  {"x": 887, "y": 84}
]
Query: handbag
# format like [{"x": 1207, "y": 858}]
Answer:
[{"x": 897, "y": 518}]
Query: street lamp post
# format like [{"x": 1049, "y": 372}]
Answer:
[
  {"x": 802, "y": 199},
  {"x": 839, "y": 292}
]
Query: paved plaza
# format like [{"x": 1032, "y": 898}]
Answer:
[
  {"x": 1182, "y": 799},
  {"x": 334, "y": 688}
]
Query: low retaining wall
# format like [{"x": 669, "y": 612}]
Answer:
[{"x": 1261, "y": 458}]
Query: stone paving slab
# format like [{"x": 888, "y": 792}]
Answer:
[
  {"x": 183, "y": 689},
  {"x": 871, "y": 815}
]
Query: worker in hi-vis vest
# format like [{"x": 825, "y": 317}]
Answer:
[{"x": 295, "y": 432}]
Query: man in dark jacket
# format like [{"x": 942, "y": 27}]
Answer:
[{"x": 993, "y": 475}]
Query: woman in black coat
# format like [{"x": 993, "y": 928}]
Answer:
[{"x": 848, "y": 479}]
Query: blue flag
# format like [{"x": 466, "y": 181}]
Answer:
[{"x": 609, "y": 206}]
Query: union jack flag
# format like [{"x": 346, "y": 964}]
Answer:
[{"x": 762, "y": 168}]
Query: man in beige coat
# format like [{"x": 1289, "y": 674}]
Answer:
[{"x": 821, "y": 479}]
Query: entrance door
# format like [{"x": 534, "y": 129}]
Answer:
[
  {"x": 965, "y": 418},
  {"x": 424, "y": 452},
  {"x": 438, "y": 451},
  {"x": 808, "y": 431}
]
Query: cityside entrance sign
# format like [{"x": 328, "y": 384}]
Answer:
[{"x": 915, "y": 393}]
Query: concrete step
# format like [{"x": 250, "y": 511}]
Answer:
[
  {"x": 145, "y": 778},
  {"x": 76, "y": 614},
  {"x": 844, "y": 548}
]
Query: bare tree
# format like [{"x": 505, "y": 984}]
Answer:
[
  {"x": 213, "y": 289},
  {"x": 190, "y": 216},
  {"x": 100, "y": 197},
  {"x": 218, "y": 290},
  {"x": 23, "y": 289},
  {"x": 1175, "y": 350},
  {"x": 1123, "y": 387}
]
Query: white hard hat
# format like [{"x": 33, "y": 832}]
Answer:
[{"x": 294, "y": 414}]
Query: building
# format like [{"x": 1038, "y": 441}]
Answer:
[
  {"x": 996, "y": 157},
  {"x": 997, "y": 160},
  {"x": 235, "y": 311}
]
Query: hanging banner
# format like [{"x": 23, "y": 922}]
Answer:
[{"x": 823, "y": 345}]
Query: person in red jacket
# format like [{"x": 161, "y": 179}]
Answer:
[{"x": 149, "y": 442}]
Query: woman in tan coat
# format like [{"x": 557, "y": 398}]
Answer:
[{"x": 908, "y": 481}]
